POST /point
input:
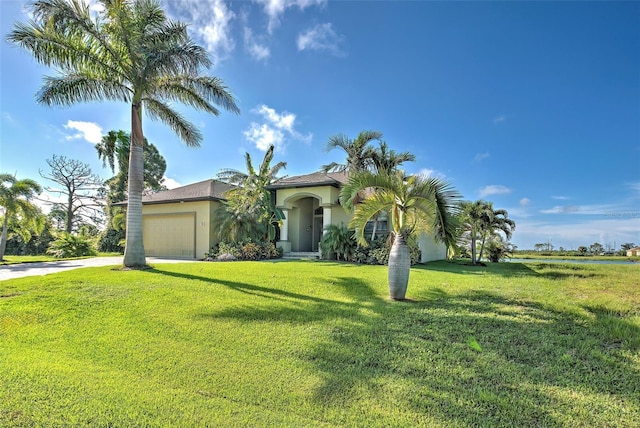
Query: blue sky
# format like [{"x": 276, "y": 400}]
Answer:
[{"x": 532, "y": 105}]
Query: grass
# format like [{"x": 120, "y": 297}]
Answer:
[
  {"x": 319, "y": 344},
  {"x": 533, "y": 255}
]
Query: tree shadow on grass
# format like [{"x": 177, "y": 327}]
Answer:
[
  {"x": 529, "y": 363},
  {"x": 555, "y": 271},
  {"x": 475, "y": 359}
]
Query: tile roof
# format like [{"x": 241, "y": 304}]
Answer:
[
  {"x": 207, "y": 190},
  {"x": 335, "y": 179}
]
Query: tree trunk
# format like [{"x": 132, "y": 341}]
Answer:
[
  {"x": 473, "y": 247},
  {"x": 69, "y": 212},
  {"x": 481, "y": 249},
  {"x": 3, "y": 240},
  {"x": 134, "y": 249},
  {"x": 399, "y": 268}
]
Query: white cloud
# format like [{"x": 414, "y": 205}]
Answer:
[
  {"x": 209, "y": 22},
  {"x": 322, "y": 37},
  {"x": 263, "y": 136},
  {"x": 257, "y": 51},
  {"x": 560, "y": 198},
  {"x": 431, "y": 173},
  {"x": 170, "y": 183},
  {"x": 494, "y": 189},
  {"x": 611, "y": 210},
  {"x": 499, "y": 119},
  {"x": 8, "y": 118},
  {"x": 276, "y": 8},
  {"x": 480, "y": 156},
  {"x": 575, "y": 234},
  {"x": 275, "y": 127},
  {"x": 89, "y": 131},
  {"x": 525, "y": 202}
]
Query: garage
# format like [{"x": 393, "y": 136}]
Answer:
[{"x": 169, "y": 235}]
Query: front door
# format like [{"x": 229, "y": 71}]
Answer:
[{"x": 317, "y": 232}]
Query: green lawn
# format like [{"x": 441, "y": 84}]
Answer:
[{"x": 310, "y": 344}]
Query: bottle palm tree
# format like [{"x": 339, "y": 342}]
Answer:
[
  {"x": 15, "y": 199},
  {"x": 133, "y": 53},
  {"x": 359, "y": 153},
  {"x": 387, "y": 161},
  {"x": 414, "y": 203}
]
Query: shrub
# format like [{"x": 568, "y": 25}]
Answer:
[
  {"x": 338, "y": 241},
  {"x": 69, "y": 245},
  {"x": 377, "y": 252},
  {"x": 251, "y": 251},
  {"x": 244, "y": 251}
]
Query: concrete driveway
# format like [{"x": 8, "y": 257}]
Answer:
[{"x": 44, "y": 268}]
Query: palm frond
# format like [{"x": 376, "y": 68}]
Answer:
[
  {"x": 182, "y": 127},
  {"x": 73, "y": 88}
]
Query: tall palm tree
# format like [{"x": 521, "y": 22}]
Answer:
[
  {"x": 359, "y": 153},
  {"x": 15, "y": 199},
  {"x": 133, "y": 53},
  {"x": 414, "y": 204},
  {"x": 250, "y": 210}
]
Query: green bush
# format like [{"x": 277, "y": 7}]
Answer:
[
  {"x": 68, "y": 245},
  {"x": 377, "y": 252},
  {"x": 246, "y": 251}
]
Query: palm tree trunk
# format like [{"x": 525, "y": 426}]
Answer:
[
  {"x": 399, "y": 267},
  {"x": 134, "y": 249},
  {"x": 481, "y": 248},
  {"x": 3, "y": 240},
  {"x": 473, "y": 247}
]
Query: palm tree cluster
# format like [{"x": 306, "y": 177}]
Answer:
[
  {"x": 15, "y": 200},
  {"x": 250, "y": 214},
  {"x": 130, "y": 52},
  {"x": 377, "y": 186},
  {"x": 481, "y": 224}
]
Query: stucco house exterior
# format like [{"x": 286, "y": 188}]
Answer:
[
  {"x": 633, "y": 252},
  {"x": 179, "y": 222}
]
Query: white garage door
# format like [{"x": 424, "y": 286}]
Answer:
[{"x": 169, "y": 235}]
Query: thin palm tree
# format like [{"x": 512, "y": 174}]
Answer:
[
  {"x": 414, "y": 203},
  {"x": 130, "y": 52},
  {"x": 359, "y": 153},
  {"x": 15, "y": 199}
]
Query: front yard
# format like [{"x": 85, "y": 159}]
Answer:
[{"x": 319, "y": 344}]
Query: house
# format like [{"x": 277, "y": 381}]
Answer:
[
  {"x": 179, "y": 222},
  {"x": 633, "y": 252}
]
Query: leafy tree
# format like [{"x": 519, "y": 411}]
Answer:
[
  {"x": 596, "y": 248},
  {"x": 539, "y": 247},
  {"x": 79, "y": 187},
  {"x": 133, "y": 53},
  {"x": 582, "y": 250},
  {"x": 414, "y": 204},
  {"x": 15, "y": 200},
  {"x": 627, "y": 246},
  {"x": 114, "y": 150},
  {"x": 359, "y": 153},
  {"x": 250, "y": 212}
]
